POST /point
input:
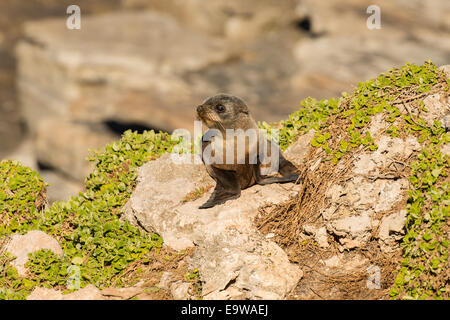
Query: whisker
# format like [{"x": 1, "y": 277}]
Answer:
[{"x": 214, "y": 117}]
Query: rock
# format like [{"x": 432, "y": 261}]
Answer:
[
  {"x": 446, "y": 69},
  {"x": 21, "y": 245},
  {"x": 352, "y": 209},
  {"x": 322, "y": 237},
  {"x": 309, "y": 229},
  {"x": 348, "y": 262},
  {"x": 166, "y": 184},
  {"x": 42, "y": 293},
  {"x": 437, "y": 106},
  {"x": 318, "y": 67},
  {"x": 239, "y": 265},
  {"x": 332, "y": 262},
  {"x": 388, "y": 148},
  {"x": 166, "y": 280},
  {"x": 353, "y": 226},
  {"x": 352, "y": 205},
  {"x": 391, "y": 230},
  {"x": 445, "y": 149},
  {"x": 389, "y": 193},
  {"x": 61, "y": 187},
  {"x": 342, "y": 51},
  {"x": 122, "y": 293},
  {"x": 80, "y": 75},
  {"x": 11, "y": 126},
  {"x": 67, "y": 150},
  {"x": 446, "y": 122},
  {"x": 233, "y": 258},
  {"x": 377, "y": 126},
  {"x": 90, "y": 292},
  {"x": 180, "y": 290},
  {"x": 233, "y": 18},
  {"x": 298, "y": 150},
  {"x": 24, "y": 153}
]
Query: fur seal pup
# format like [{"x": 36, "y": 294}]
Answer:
[{"x": 241, "y": 167}]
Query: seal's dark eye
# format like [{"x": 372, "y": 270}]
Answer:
[{"x": 220, "y": 108}]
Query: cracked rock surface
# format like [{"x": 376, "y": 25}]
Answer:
[{"x": 234, "y": 260}]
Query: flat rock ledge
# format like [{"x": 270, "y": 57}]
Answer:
[{"x": 234, "y": 259}]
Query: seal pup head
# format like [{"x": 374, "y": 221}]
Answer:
[{"x": 222, "y": 111}]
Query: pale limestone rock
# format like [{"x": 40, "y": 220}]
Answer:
[
  {"x": 332, "y": 262},
  {"x": 297, "y": 151},
  {"x": 446, "y": 69},
  {"x": 445, "y": 149},
  {"x": 438, "y": 107},
  {"x": 166, "y": 280},
  {"x": 346, "y": 262},
  {"x": 364, "y": 52},
  {"x": 389, "y": 193},
  {"x": 21, "y": 245},
  {"x": 309, "y": 229},
  {"x": 389, "y": 149},
  {"x": 391, "y": 230},
  {"x": 122, "y": 293},
  {"x": 24, "y": 153},
  {"x": 180, "y": 290},
  {"x": 257, "y": 268},
  {"x": 365, "y": 164},
  {"x": 231, "y": 255},
  {"x": 351, "y": 225},
  {"x": 234, "y": 19},
  {"x": 377, "y": 125},
  {"x": 322, "y": 237},
  {"x": 348, "y": 244},
  {"x": 68, "y": 149},
  {"x": 352, "y": 206},
  {"x": 90, "y": 292},
  {"x": 61, "y": 187},
  {"x": 162, "y": 186},
  {"x": 42, "y": 293},
  {"x": 116, "y": 73},
  {"x": 446, "y": 121}
]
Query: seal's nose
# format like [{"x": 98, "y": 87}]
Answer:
[{"x": 199, "y": 109}]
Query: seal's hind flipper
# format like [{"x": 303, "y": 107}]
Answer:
[{"x": 286, "y": 179}]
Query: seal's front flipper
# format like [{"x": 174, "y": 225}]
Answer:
[
  {"x": 290, "y": 178},
  {"x": 227, "y": 188}
]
